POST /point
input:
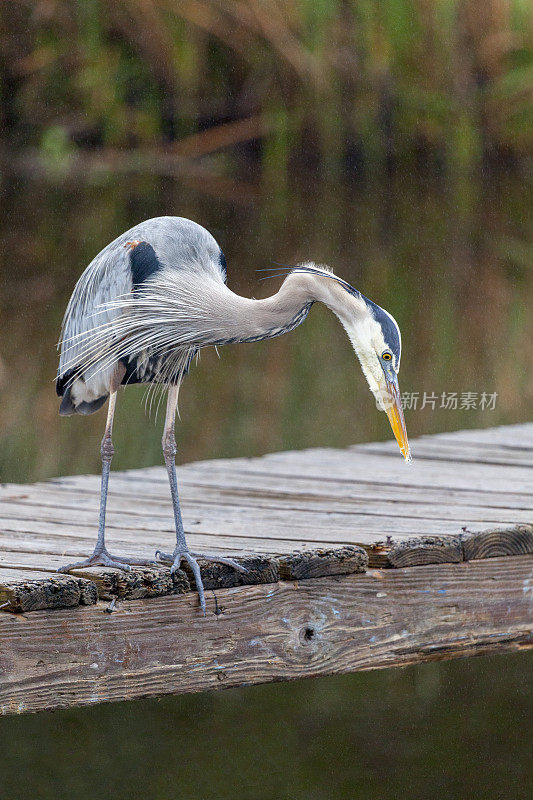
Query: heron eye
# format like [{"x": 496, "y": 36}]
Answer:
[{"x": 386, "y": 356}]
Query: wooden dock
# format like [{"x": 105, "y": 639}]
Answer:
[{"x": 356, "y": 561}]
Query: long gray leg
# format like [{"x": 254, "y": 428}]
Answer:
[
  {"x": 181, "y": 551},
  {"x": 169, "y": 453},
  {"x": 100, "y": 555}
]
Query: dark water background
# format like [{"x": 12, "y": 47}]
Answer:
[{"x": 452, "y": 262}]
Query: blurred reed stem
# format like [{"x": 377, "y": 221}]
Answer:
[{"x": 339, "y": 83}]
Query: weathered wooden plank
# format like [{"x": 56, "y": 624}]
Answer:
[
  {"x": 265, "y": 520},
  {"x": 352, "y": 466},
  {"x": 260, "y": 569},
  {"x": 33, "y": 550},
  {"x": 50, "y": 550},
  {"x": 137, "y": 583},
  {"x": 155, "y": 503},
  {"x": 496, "y": 542},
  {"x": 463, "y": 445},
  {"x": 157, "y": 581},
  {"x": 356, "y": 467},
  {"x": 394, "y": 551},
  {"x": 26, "y": 593},
  {"x": 519, "y": 435},
  {"x": 323, "y": 562},
  {"x": 26, "y": 554},
  {"x": 463, "y": 441},
  {"x": 78, "y": 656},
  {"x": 9, "y": 573},
  {"x": 424, "y": 550},
  {"x": 279, "y": 503},
  {"x": 303, "y": 530},
  {"x": 49, "y": 553},
  {"x": 55, "y": 551},
  {"x": 456, "y": 453},
  {"x": 468, "y": 545},
  {"x": 211, "y": 477},
  {"x": 225, "y": 489},
  {"x": 516, "y": 437}
]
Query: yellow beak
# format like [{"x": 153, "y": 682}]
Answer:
[{"x": 393, "y": 407}]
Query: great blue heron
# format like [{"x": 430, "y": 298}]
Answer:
[{"x": 157, "y": 294}]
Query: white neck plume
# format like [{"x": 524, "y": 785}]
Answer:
[{"x": 242, "y": 319}]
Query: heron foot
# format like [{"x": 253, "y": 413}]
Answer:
[
  {"x": 101, "y": 558},
  {"x": 180, "y": 555}
]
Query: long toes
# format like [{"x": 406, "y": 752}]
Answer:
[
  {"x": 191, "y": 561},
  {"x": 105, "y": 560},
  {"x": 221, "y": 560},
  {"x": 139, "y": 562},
  {"x": 175, "y": 560},
  {"x": 87, "y": 562},
  {"x": 160, "y": 556},
  {"x": 110, "y": 562},
  {"x": 76, "y": 565}
]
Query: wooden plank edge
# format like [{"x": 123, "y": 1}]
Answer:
[
  {"x": 86, "y": 585},
  {"x": 496, "y": 542},
  {"x": 322, "y": 562},
  {"x": 256, "y": 634},
  {"x": 89, "y": 584},
  {"x": 59, "y": 591}
]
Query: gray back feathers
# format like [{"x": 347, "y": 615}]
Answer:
[
  {"x": 103, "y": 295},
  {"x": 180, "y": 244}
]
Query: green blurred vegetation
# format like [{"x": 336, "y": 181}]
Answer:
[{"x": 334, "y": 84}]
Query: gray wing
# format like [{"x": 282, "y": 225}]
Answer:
[
  {"x": 107, "y": 277},
  {"x": 180, "y": 244}
]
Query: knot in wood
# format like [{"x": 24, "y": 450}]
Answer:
[{"x": 307, "y": 634}]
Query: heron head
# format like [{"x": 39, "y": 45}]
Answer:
[{"x": 376, "y": 339}]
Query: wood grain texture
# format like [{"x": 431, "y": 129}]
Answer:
[
  {"x": 425, "y": 550},
  {"x": 253, "y": 634},
  {"x": 137, "y": 583},
  {"x": 19, "y": 594},
  {"x": 259, "y": 569},
  {"x": 494, "y": 542},
  {"x": 323, "y": 562},
  {"x": 28, "y": 590},
  {"x": 283, "y": 504}
]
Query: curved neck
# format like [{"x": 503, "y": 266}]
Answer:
[
  {"x": 250, "y": 320},
  {"x": 273, "y": 316}
]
